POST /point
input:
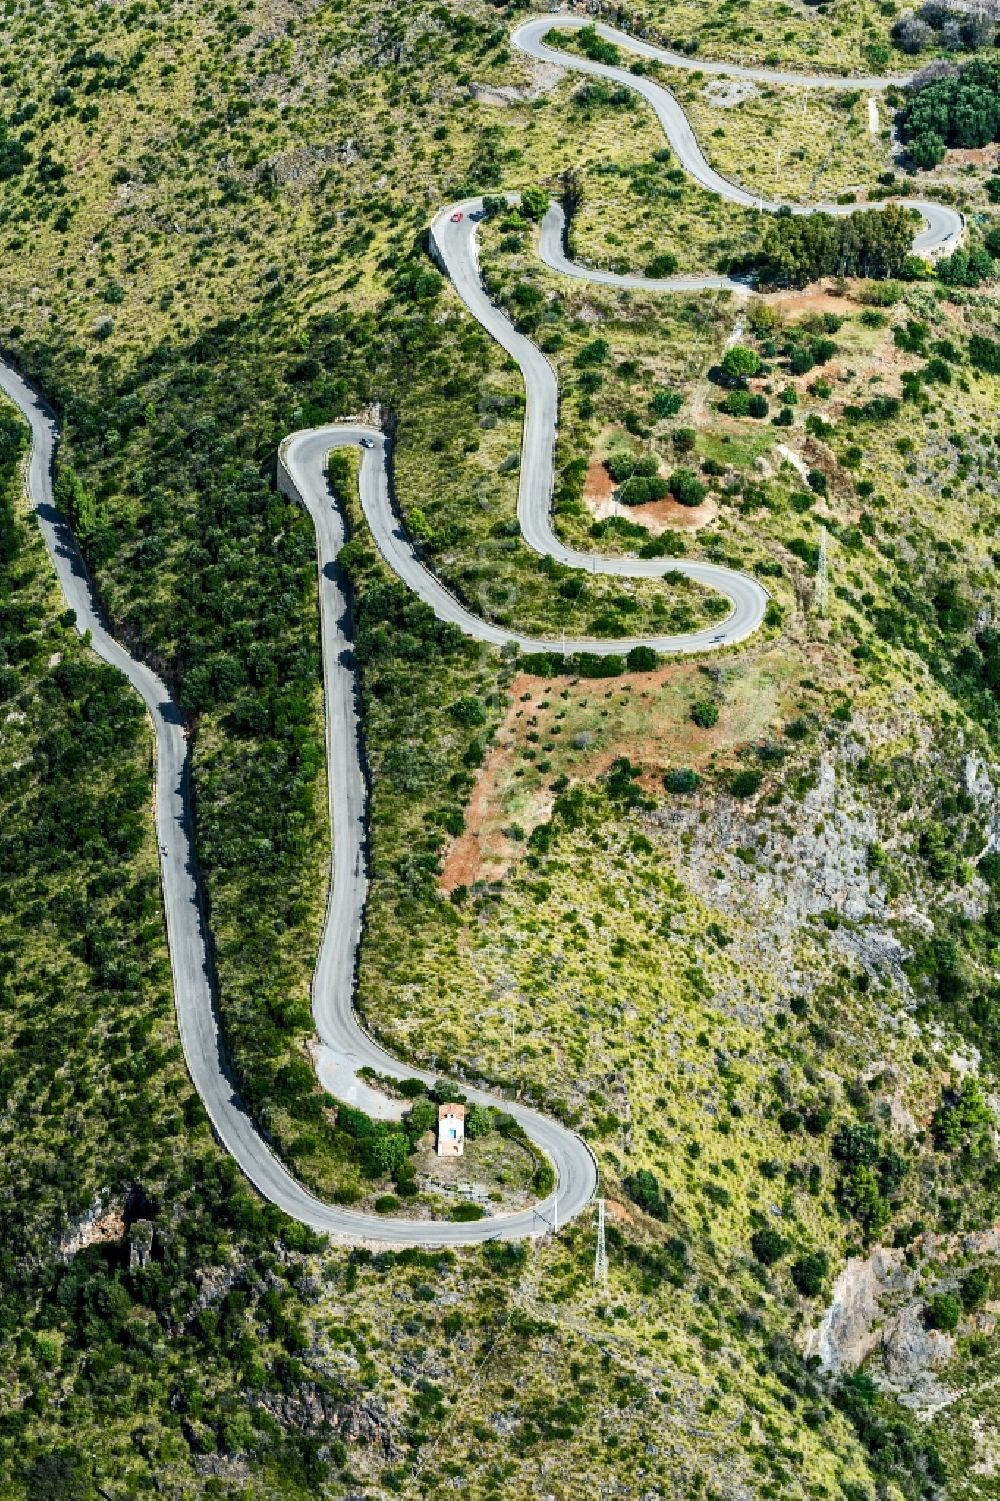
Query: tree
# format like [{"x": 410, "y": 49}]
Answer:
[
  {"x": 535, "y": 202},
  {"x": 926, "y": 150},
  {"x": 73, "y": 497},
  {"x": 420, "y": 1119},
  {"x": 478, "y": 1121},
  {"x": 686, "y": 488},
  {"x": 681, "y": 779},
  {"x": 662, "y": 265},
  {"x": 802, "y": 247},
  {"x": 468, "y": 710},
  {"x": 962, "y": 1118},
  {"x": 642, "y": 659},
  {"x": 594, "y": 353},
  {"x": 384, "y": 1150},
  {"x": 665, "y": 403},
  {"x": 975, "y": 1288},
  {"x": 985, "y": 354},
  {"x": 943, "y": 1311},
  {"x": 643, "y": 1188},
  {"x": 704, "y": 713},
  {"x": 740, "y": 362},
  {"x": 911, "y": 34},
  {"x": 763, "y": 318},
  {"x": 594, "y": 46},
  {"x": 809, "y": 1273},
  {"x": 768, "y": 1246}
]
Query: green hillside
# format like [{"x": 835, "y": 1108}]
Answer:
[{"x": 734, "y": 918}]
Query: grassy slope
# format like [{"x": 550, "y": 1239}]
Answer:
[{"x": 293, "y": 204}]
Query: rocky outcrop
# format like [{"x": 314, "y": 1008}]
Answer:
[
  {"x": 878, "y": 1311},
  {"x": 848, "y": 1334},
  {"x": 310, "y": 1409},
  {"x": 103, "y": 1221}
]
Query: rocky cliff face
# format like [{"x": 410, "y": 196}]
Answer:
[{"x": 877, "y": 1313}]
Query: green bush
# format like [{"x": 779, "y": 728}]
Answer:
[
  {"x": 466, "y": 1213},
  {"x": 478, "y": 1121},
  {"x": 984, "y": 354},
  {"x": 642, "y": 659},
  {"x": 622, "y": 464},
  {"x": 422, "y": 1117},
  {"x": 468, "y": 710},
  {"x": 744, "y": 783},
  {"x": 768, "y": 1246},
  {"x": 740, "y": 362},
  {"x": 664, "y": 264},
  {"x": 535, "y": 202},
  {"x": 593, "y": 45},
  {"x": 681, "y": 779},
  {"x": 594, "y": 353},
  {"x": 809, "y": 1273},
  {"x": 962, "y": 1118},
  {"x": 737, "y": 403},
  {"x": 686, "y": 488},
  {"x": 704, "y": 713},
  {"x": 643, "y": 1188},
  {"x": 975, "y": 1288},
  {"x": 642, "y": 489},
  {"x": 943, "y": 1311},
  {"x": 665, "y": 403}
]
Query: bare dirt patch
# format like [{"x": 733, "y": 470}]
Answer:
[
  {"x": 812, "y": 299},
  {"x": 575, "y": 728},
  {"x": 971, "y": 156},
  {"x": 599, "y": 487},
  {"x": 656, "y": 516}
]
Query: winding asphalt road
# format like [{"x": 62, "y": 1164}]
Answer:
[
  {"x": 944, "y": 227},
  {"x": 302, "y": 476}
]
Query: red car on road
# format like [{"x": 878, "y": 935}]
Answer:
[{"x": 457, "y": 217}]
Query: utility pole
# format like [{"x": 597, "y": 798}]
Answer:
[{"x": 601, "y": 1256}]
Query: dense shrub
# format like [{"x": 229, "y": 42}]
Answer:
[
  {"x": 704, "y": 713},
  {"x": 943, "y": 1311},
  {"x": 768, "y": 1246},
  {"x": 664, "y": 264},
  {"x": 809, "y": 1273},
  {"x": 744, "y": 783},
  {"x": 686, "y": 488},
  {"x": 801, "y": 248},
  {"x": 666, "y": 403},
  {"x": 962, "y": 109}
]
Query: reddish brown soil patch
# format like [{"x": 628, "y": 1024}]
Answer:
[
  {"x": 468, "y": 860},
  {"x": 669, "y": 515},
  {"x": 814, "y": 299},
  {"x": 971, "y": 156},
  {"x": 598, "y": 487},
  {"x": 657, "y": 516},
  {"x": 643, "y": 716}
]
